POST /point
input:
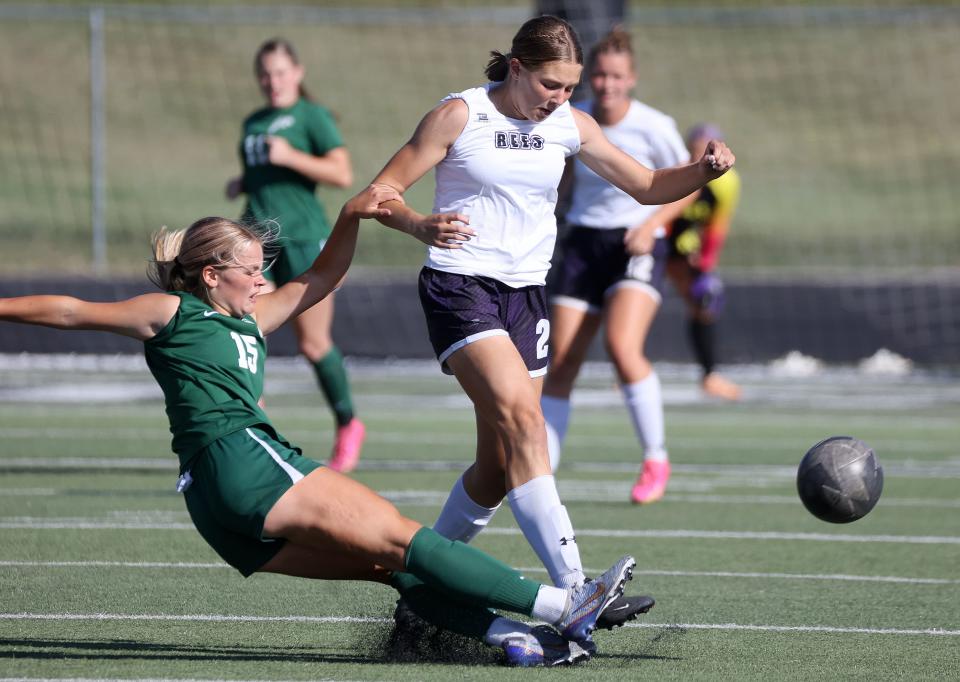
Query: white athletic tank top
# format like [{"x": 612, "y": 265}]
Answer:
[
  {"x": 503, "y": 173},
  {"x": 649, "y": 136}
]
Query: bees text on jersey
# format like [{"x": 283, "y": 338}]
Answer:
[{"x": 503, "y": 173}]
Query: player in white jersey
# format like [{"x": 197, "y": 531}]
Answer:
[
  {"x": 499, "y": 152},
  {"x": 614, "y": 259}
]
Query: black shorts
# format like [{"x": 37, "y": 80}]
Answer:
[
  {"x": 595, "y": 264},
  {"x": 461, "y": 309}
]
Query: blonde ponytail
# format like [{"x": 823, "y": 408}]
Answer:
[
  {"x": 165, "y": 270},
  {"x": 179, "y": 256}
]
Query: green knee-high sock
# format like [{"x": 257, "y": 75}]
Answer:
[
  {"x": 468, "y": 574},
  {"x": 442, "y": 610},
  {"x": 332, "y": 377}
]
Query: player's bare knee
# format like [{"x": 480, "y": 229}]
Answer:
[
  {"x": 628, "y": 360},
  {"x": 397, "y": 533},
  {"x": 521, "y": 421},
  {"x": 313, "y": 350},
  {"x": 561, "y": 377}
]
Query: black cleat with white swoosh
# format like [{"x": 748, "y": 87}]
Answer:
[{"x": 623, "y": 609}]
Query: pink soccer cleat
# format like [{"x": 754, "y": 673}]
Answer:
[
  {"x": 346, "y": 449},
  {"x": 652, "y": 482}
]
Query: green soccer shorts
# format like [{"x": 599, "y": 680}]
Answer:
[
  {"x": 236, "y": 480},
  {"x": 294, "y": 258}
]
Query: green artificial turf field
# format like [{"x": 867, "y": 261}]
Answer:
[{"x": 102, "y": 575}]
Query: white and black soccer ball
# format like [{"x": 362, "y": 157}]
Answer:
[{"x": 840, "y": 479}]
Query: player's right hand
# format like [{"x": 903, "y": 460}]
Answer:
[
  {"x": 234, "y": 188},
  {"x": 444, "y": 230},
  {"x": 369, "y": 202}
]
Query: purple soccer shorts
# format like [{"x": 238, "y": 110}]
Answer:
[{"x": 462, "y": 309}]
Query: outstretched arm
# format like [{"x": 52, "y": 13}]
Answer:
[
  {"x": 662, "y": 186},
  {"x": 140, "y": 317},
  {"x": 330, "y": 266},
  {"x": 428, "y": 146}
]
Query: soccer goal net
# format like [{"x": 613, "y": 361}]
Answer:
[{"x": 117, "y": 118}]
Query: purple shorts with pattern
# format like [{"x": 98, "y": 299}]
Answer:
[
  {"x": 595, "y": 262},
  {"x": 461, "y": 309}
]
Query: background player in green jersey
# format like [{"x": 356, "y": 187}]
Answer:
[
  {"x": 252, "y": 495},
  {"x": 696, "y": 239},
  {"x": 288, "y": 148}
]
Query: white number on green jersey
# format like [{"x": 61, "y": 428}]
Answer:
[
  {"x": 256, "y": 149},
  {"x": 247, "y": 348}
]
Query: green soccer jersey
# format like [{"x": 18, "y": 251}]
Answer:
[
  {"x": 282, "y": 194},
  {"x": 210, "y": 367}
]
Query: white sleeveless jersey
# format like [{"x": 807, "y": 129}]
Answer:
[
  {"x": 649, "y": 136},
  {"x": 503, "y": 173}
]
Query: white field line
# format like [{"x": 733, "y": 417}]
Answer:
[
  {"x": 767, "y": 393},
  {"x": 42, "y": 523},
  {"x": 798, "y": 628},
  {"x": 752, "y": 535},
  {"x": 798, "y": 576},
  {"x": 614, "y": 442},
  {"x": 217, "y": 618},
  {"x": 595, "y": 491},
  {"x": 152, "y": 679},
  {"x": 687, "y": 490},
  {"x": 527, "y": 569},
  {"x": 612, "y": 492},
  {"x": 28, "y": 492},
  {"x": 147, "y": 679},
  {"x": 112, "y": 564},
  {"x": 462, "y": 414},
  {"x": 907, "y": 469}
]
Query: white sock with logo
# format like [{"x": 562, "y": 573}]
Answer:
[
  {"x": 556, "y": 414},
  {"x": 645, "y": 405},
  {"x": 546, "y": 526},
  {"x": 461, "y": 518}
]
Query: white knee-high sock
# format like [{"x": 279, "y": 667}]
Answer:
[
  {"x": 546, "y": 526},
  {"x": 645, "y": 405},
  {"x": 556, "y": 414},
  {"x": 550, "y": 603},
  {"x": 461, "y": 518}
]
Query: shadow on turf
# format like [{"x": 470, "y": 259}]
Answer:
[
  {"x": 384, "y": 645},
  {"x": 428, "y": 644},
  {"x": 118, "y": 649}
]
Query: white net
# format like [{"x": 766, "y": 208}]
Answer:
[{"x": 843, "y": 120}]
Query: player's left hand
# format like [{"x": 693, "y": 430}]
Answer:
[
  {"x": 281, "y": 151},
  {"x": 717, "y": 159},
  {"x": 639, "y": 240}
]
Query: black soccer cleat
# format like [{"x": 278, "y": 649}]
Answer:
[{"x": 623, "y": 609}]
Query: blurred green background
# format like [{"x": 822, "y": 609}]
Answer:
[{"x": 843, "y": 118}]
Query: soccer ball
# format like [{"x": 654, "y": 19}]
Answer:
[{"x": 840, "y": 479}]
